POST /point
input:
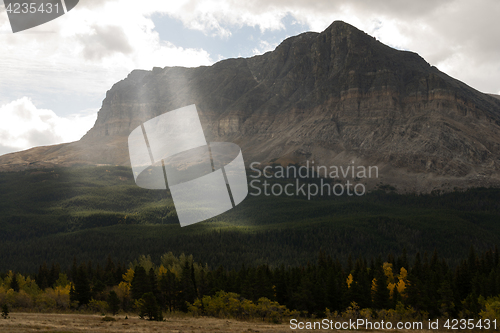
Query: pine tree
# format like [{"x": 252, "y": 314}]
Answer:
[
  {"x": 14, "y": 285},
  {"x": 148, "y": 307},
  {"x": 203, "y": 287},
  {"x": 53, "y": 275},
  {"x": 168, "y": 288},
  {"x": 74, "y": 269},
  {"x": 381, "y": 295},
  {"x": 140, "y": 284},
  {"x": 304, "y": 301},
  {"x": 417, "y": 270},
  {"x": 82, "y": 286},
  {"x": 263, "y": 283},
  {"x": 447, "y": 305},
  {"x": 73, "y": 298},
  {"x": 187, "y": 291},
  {"x": 42, "y": 276},
  {"x": 193, "y": 278},
  {"x": 153, "y": 283},
  {"x": 471, "y": 306},
  {"x": 5, "y": 311},
  {"x": 462, "y": 281},
  {"x": 403, "y": 260},
  {"x": 114, "y": 302},
  {"x": 396, "y": 297},
  {"x": 414, "y": 293}
]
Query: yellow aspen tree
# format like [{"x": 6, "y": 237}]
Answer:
[
  {"x": 161, "y": 271},
  {"x": 374, "y": 288},
  {"x": 123, "y": 288},
  {"x": 349, "y": 280},
  {"x": 128, "y": 276},
  {"x": 388, "y": 272},
  {"x": 403, "y": 282},
  {"x": 390, "y": 277}
]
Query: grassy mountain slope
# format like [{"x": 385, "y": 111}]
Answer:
[{"x": 56, "y": 214}]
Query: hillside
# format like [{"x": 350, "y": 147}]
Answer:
[
  {"x": 334, "y": 97},
  {"x": 54, "y": 215}
]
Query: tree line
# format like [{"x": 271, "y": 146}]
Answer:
[{"x": 424, "y": 287}]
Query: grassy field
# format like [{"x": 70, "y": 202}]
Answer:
[{"x": 74, "y": 323}]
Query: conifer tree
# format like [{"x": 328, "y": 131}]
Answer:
[
  {"x": 53, "y": 275},
  {"x": 381, "y": 295},
  {"x": 74, "y": 269},
  {"x": 72, "y": 296},
  {"x": 396, "y": 297},
  {"x": 114, "y": 302},
  {"x": 168, "y": 288},
  {"x": 5, "y": 311},
  {"x": 14, "y": 285},
  {"x": 153, "y": 283},
  {"x": 148, "y": 307},
  {"x": 187, "y": 292},
  {"x": 82, "y": 286},
  {"x": 447, "y": 305},
  {"x": 140, "y": 283},
  {"x": 42, "y": 276}
]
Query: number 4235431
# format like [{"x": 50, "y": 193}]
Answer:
[
  {"x": 462, "y": 324},
  {"x": 25, "y": 8}
]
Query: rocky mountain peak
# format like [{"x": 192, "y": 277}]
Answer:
[{"x": 334, "y": 97}]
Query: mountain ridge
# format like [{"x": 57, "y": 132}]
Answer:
[{"x": 336, "y": 97}]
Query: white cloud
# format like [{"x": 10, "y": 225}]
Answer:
[
  {"x": 24, "y": 126},
  {"x": 85, "y": 52},
  {"x": 76, "y": 57},
  {"x": 264, "y": 47}
]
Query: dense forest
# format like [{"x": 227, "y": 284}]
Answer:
[
  {"x": 395, "y": 287},
  {"x": 57, "y": 214}
]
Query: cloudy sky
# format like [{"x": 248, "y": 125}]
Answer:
[{"x": 54, "y": 77}]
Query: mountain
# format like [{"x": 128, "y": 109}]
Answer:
[{"x": 335, "y": 97}]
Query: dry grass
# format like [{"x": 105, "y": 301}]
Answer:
[{"x": 48, "y": 322}]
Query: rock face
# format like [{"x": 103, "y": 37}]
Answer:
[{"x": 335, "y": 97}]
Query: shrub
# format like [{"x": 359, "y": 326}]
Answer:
[
  {"x": 114, "y": 302},
  {"x": 23, "y": 300},
  {"x": 5, "y": 311},
  {"x": 97, "y": 306},
  {"x": 231, "y": 305},
  {"x": 44, "y": 302},
  {"x": 491, "y": 308},
  {"x": 148, "y": 307}
]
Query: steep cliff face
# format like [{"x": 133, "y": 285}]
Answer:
[{"x": 334, "y": 97}]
